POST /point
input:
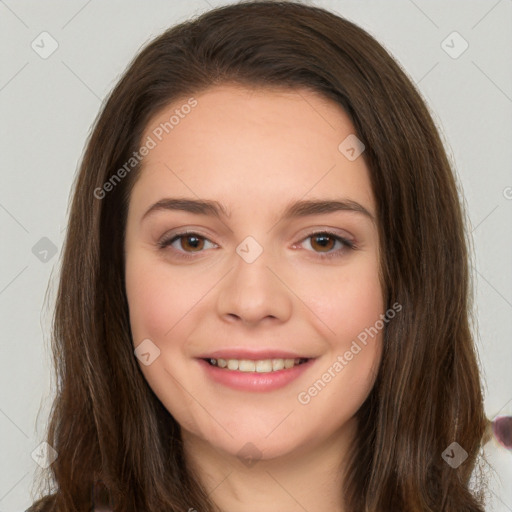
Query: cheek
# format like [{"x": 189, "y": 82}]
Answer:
[
  {"x": 352, "y": 306},
  {"x": 155, "y": 305},
  {"x": 352, "y": 302}
]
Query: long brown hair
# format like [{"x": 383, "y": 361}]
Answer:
[{"x": 107, "y": 425}]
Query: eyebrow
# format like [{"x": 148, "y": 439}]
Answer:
[{"x": 301, "y": 208}]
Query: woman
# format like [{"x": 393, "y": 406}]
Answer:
[{"x": 271, "y": 370}]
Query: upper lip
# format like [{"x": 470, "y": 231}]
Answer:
[{"x": 255, "y": 354}]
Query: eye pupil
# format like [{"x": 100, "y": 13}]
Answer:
[
  {"x": 195, "y": 244},
  {"x": 323, "y": 237}
]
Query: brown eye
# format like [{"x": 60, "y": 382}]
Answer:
[
  {"x": 192, "y": 242},
  {"x": 323, "y": 242},
  {"x": 183, "y": 244}
]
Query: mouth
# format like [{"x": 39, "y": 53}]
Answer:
[
  {"x": 254, "y": 375},
  {"x": 256, "y": 365}
]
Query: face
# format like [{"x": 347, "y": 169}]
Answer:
[{"x": 255, "y": 283}]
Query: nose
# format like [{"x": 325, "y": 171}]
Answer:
[{"x": 254, "y": 292}]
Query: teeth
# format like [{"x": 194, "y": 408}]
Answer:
[
  {"x": 260, "y": 366},
  {"x": 288, "y": 363},
  {"x": 277, "y": 364},
  {"x": 232, "y": 364},
  {"x": 244, "y": 365},
  {"x": 264, "y": 366}
]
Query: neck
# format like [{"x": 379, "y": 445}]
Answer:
[{"x": 307, "y": 479}]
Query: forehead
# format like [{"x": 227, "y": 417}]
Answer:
[{"x": 251, "y": 146}]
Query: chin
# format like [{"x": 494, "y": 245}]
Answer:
[{"x": 250, "y": 449}]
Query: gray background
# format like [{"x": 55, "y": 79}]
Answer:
[{"x": 47, "y": 106}]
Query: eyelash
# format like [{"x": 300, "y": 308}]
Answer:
[{"x": 348, "y": 245}]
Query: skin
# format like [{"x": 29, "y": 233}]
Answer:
[{"x": 254, "y": 151}]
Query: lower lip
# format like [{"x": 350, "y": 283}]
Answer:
[{"x": 254, "y": 381}]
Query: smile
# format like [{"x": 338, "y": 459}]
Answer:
[
  {"x": 259, "y": 366},
  {"x": 256, "y": 375}
]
